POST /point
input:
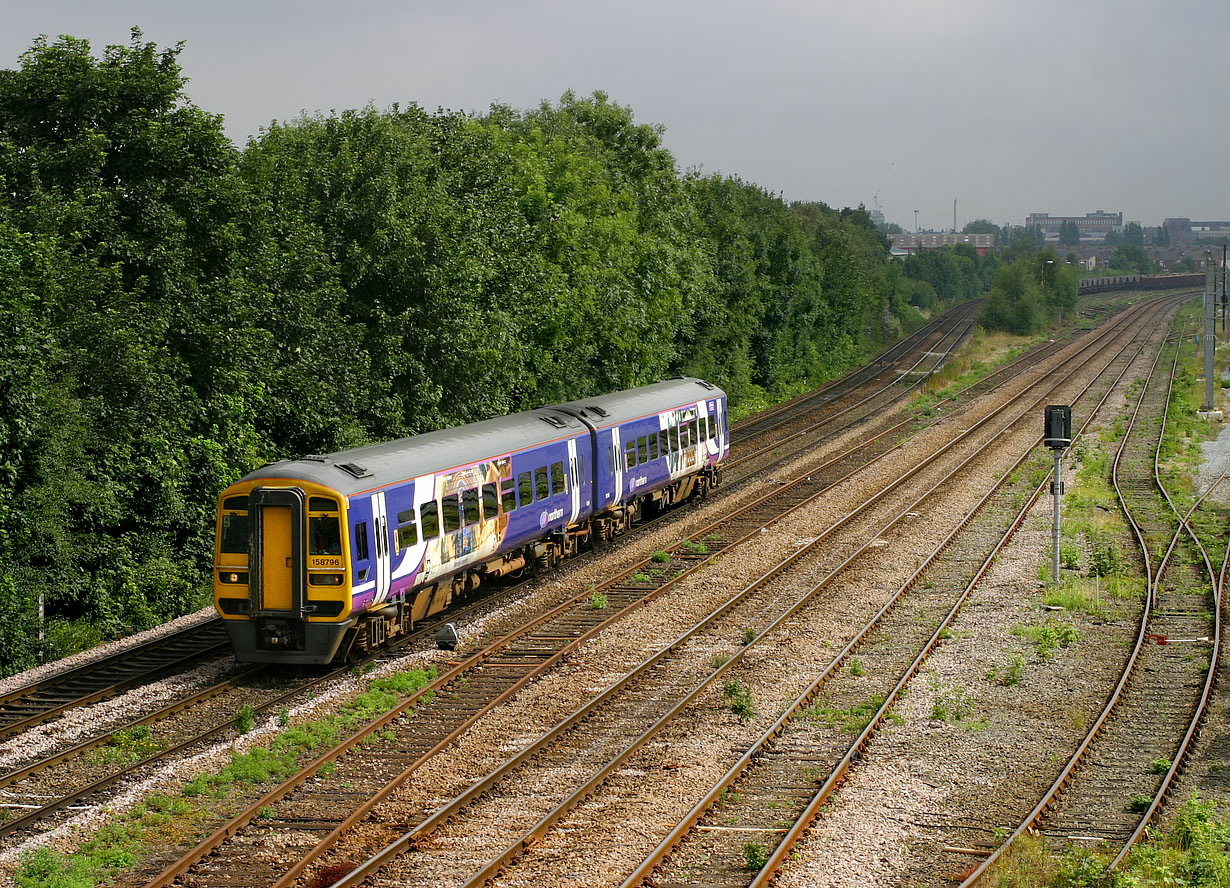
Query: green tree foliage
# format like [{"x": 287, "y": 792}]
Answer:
[
  {"x": 980, "y": 226},
  {"x": 952, "y": 274},
  {"x": 1069, "y": 233},
  {"x": 1029, "y": 293},
  {"x": 1133, "y": 234},
  {"x": 179, "y": 312},
  {"x": 116, "y": 199},
  {"x": 1131, "y": 259}
]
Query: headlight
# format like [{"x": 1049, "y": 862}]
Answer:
[
  {"x": 233, "y": 577},
  {"x": 325, "y": 579}
]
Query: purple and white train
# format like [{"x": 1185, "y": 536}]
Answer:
[{"x": 323, "y": 555}]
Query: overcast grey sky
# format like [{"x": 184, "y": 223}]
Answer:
[{"x": 1061, "y": 106}]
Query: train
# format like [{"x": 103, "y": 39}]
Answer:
[
  {"x": 1140, "y": 282},
  {"x": 326, "y": 556}
]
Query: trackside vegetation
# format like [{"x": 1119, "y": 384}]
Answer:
[
  {"x": 178, "y": 311},
  {"x": 163, "y": 820}
]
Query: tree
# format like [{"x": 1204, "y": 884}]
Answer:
[
  {"x": 124, "y": 194},
  {"x": 1132, "y": 259},
  {"x": 1069, "y": 233},
  {"x": 1133, "y": 234},
  {"x": 1161, "y": 236},
  {"x": 980, "y": 226}
]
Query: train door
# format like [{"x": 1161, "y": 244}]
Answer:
[
  {"x": 380, "y": 523},
  {"x": 277, "y": 549},
  {"x": 575, "y": 474},
  {"x": 617, "y": 454}
]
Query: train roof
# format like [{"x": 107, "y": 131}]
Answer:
[
  {"x": 377, "y": 465},
  {"x": 618, "y": 407}
]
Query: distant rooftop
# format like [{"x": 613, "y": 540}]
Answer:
[{"x": 935, "y": 241}]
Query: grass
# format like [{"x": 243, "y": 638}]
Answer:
[
  {"x": 245, "y": 719},
  {"x": 851, "y": 720},
  {"x": 598, "y": 601},
  {"x": 169, "y": 820},
  {"x": 694, "y": 548},
  {"x": 739, "y": 701},
  {"x": 660, "y": 557},
  {"x": 1009, "y": 674},
  {"x": 955, "y": 706},
  {"x": 127, "y": 745},
  {"x": 754, "y": 856},
  {"x": 1048, "y": 636}
]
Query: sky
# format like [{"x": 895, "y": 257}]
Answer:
[{"x": 1005, "y": 106}]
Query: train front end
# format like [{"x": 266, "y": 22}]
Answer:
[{"x": 281, "y": 578}]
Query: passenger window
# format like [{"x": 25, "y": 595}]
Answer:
[
  {"x": 235, "y": 533},
  {"x": 642, "y": 449},
  {"x": 407, "y": 533},
  {"x": 630, "y": 455},
  {"x": 677, "y": 439},
  {"x": 541, "y": 484},
  {"x": 525, "y": 485},
  {"x": 653, "y": 446},
  {"x": 694, "y": 426},
  {"x": 710, "y": 428},
  {"x": 469, "y": 506},
  {"x": 325, "y": 536},
  {"x": 491, "y": 502},
  {"x": 684, "y": 440},
  {"x": 429, "y": 519},
  {"x": 559, "y": 483},
  {"x": 360, "y": 541},
  {"x": 450, "y": 511},
  {"x": 508, "y": 494}
]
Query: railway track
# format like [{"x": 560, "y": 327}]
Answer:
[
  {"x": 1111, "y": 787},
  {"x": 39, "y": 701},
  {"x": 934, "y": 339},
  {"x": 580, "y": 748},
  {"x": 51, "y": 784},
  {"x": 769, "y": 797},
  {"x": 898, "y": 389}
]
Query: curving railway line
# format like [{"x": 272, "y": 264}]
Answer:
[
  {"x": 674, "y": 704},
  {"x": 50, "y": 784},
  {"x": 1110, "y": 789},
  {"x": 323, "y": 821}
]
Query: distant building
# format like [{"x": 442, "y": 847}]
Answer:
[
  {"x": 912, "y": 243},
  {"x": 1093, "y": 226},
  {"x": 1183, "y": 230},
  {"x": 877, "y": 218}
]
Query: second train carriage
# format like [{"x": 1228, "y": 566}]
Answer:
[{"x": 320, "y": 555}]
